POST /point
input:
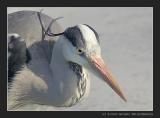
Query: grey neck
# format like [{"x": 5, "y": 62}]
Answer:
[{"x": 71, "y": 79}]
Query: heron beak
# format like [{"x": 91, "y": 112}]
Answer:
[{"x": 103, "y": 70}]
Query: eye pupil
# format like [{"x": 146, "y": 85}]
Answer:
[{"x": 79, "y": 50}]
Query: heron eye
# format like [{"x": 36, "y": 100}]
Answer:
[{"x": 79, "y": 51}]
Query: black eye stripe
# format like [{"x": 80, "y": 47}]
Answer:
[{"x": 74, "y": 35}]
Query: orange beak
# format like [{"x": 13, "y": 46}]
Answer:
[{"x": 100, "y": 66}]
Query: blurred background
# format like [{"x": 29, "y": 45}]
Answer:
[{"x": 126, "y": 36}]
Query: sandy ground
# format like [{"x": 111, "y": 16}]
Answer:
[{"x": 126, "y": 36}]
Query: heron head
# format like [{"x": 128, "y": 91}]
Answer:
[{"x": 84, "y": 49}]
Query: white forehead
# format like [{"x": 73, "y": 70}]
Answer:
[{"x": 89, "y": 37}]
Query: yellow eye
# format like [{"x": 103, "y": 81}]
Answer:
[{"x": 79, "y": 51}]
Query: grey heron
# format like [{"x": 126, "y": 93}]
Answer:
[{"x": 63, "y": 79}]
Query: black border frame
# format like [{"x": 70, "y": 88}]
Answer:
[{"x": 94, "y": 3}]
